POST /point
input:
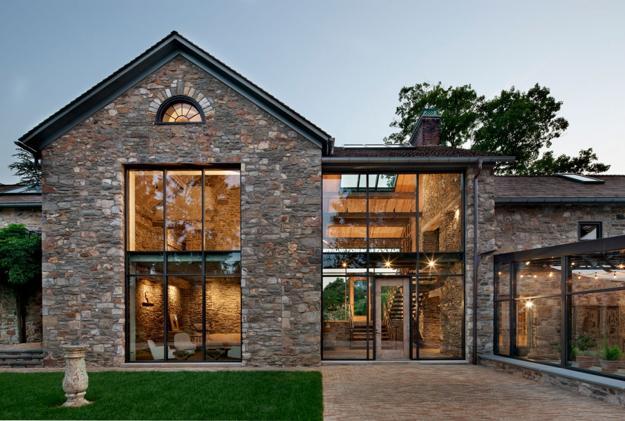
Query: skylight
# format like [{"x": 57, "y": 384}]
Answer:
[
  {"x": 582, "y": 178},
  {"x": 377, "y": 182}
]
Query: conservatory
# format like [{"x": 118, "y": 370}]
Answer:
[{"x": 563, "y": 306}]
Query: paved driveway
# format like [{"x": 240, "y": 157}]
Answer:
[{"x": 449, "y": 392}]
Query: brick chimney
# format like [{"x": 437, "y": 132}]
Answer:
[{"x": 427, "y": 132}]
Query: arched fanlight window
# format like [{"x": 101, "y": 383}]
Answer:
[{"x": 178, "y": 110}]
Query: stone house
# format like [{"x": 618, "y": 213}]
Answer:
[{"x": 189, "y": 216}]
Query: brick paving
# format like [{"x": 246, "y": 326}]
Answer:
[{"x": 449, "y": 392}]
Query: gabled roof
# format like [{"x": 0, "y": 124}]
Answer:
[
  {"x": 173, "y": 45},
  {"x": 559, "y": 189}
]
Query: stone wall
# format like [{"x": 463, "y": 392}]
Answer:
[
  {"x": 603, "y": 392},
  {"x": 30, "y": 217},
  {"x": 486, "y": 247},
  {"x": 522, "y": 227},
  {"x": 83, "y": 218},
  {"x": 9, "y": 333}
]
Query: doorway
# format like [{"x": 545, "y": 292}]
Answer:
[{"x": 392, "y": 321}]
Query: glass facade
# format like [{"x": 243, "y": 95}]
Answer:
[
  {"x": 393, "y": 259},
  {"x": 567, "y": 309},
  {"x": 183, "y": 265}
]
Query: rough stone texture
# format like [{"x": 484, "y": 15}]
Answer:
[
  {"x": 485, "y": 247},
  {"x": 604, "y": 393},
  {"x": 521, "y": 227},
  {"x": 83, "y": 219},
  {"x": 31, "y": 217},
  {"x": 8, "y": 316},
  {"x": 416, "y": 391}
]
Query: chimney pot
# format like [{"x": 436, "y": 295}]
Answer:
[{"x": 427, "y": 132}]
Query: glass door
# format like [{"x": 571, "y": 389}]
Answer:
[{"x": 392, "y": 320}]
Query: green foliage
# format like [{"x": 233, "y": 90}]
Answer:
[
  {"x": 20, "y": 255},
  {"x": 513, "y": 123},
  {"x": 550, "y": 164},
  {"x": 585, "y": 343},
  {"x": 610, "y": 353},
  {"x": 26, "y": 168},
  {"x": 459, "y": 107},
  {"x": 334, "y": 294}
]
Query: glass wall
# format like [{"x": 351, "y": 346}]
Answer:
[
  {"x": 405, "y": 230},
  {"x": 183, "y": 264},
  {"x": 567, "y": 310}
]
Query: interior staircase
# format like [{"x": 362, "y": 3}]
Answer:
[
  {"x": 20, "y": 358},
  {"x": 360, "y": 332}
]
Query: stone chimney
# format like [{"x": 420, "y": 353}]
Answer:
[{"x": 427, "y": 132}]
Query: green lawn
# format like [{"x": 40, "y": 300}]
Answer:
[{"x": 167, "y": 395}]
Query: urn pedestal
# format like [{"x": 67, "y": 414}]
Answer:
[{"x": 76, "y": 380}]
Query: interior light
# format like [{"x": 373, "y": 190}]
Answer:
[
  {"x": 527, "y": 263},
  {"x": 551, "y": 274},
  {"x": 387, "y": 264},
  {"x": 432, "y": 264},
  {"x": 529, "y": 304},
  {"x": 457, "y": 214},
  {"x": 344, "y": 264}
]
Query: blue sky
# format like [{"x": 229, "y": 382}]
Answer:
[{"x": 339, "y": 63}]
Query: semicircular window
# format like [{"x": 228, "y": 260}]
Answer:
[{"x": 181, "y": 112}]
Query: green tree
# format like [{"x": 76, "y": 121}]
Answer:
[
  {"x": 513, "y": 123},
  {"x": 459, "y": 105},
  {"x": 20, "y": 267},
  {"x": 26, "y": 168}
]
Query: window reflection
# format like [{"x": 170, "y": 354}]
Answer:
[
  {"x": 385, "y": 230},
  {"x": 145, "y": 210},
  {"x": 198, "y": 225}
]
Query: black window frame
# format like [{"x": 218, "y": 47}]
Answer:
[
  {"x": 598, "y": 224},
  {"x": 565, "y": 253},
  {"x": 419, "y": 255},
  {"x": 174, "y": 100},
  {"x": 165, "y": 259}
]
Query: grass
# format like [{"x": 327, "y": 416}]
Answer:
[{"x": 167, "y": 395}]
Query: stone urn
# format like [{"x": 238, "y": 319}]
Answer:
[{"x": 76, "y": 381}]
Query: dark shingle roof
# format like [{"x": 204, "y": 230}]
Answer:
[
  {"x": 558, "y": 189},
  {"x": 19, "y": 196}
]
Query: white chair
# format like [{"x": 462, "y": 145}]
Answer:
[
  {"x": 157, "y": 351},
  {"x": 183, "y": 344}
]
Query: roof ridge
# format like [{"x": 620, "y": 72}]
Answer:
[{"x": 54, "y": 125}]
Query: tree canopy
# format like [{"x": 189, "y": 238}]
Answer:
[
  {"x": 20, "y": 255},
  {"x": 513, "y": 123},
  {"x": 26, "y": 168}
]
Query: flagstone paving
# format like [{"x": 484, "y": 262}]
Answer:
[{"x": 449, "y": 392}]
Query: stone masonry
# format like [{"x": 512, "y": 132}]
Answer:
[
  {"x": 522, "y": 227},
  {"x": 83, "y": 218}
]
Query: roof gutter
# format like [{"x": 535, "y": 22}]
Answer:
[
  {"x": 558, "y": 200},
  {"x": 425, "y": 160},
  {"x": 20, "y": 205}
]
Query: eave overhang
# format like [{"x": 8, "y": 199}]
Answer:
[
  {"x": 407, "y": 163},
  {"x": 559, "y": 200},
  {"x": 172, "y": 46}
]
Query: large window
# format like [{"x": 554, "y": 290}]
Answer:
[
  {"x": 393, "y": 278},
  {"x": 183, "y": 265},
  {"x": 567, "y": 309}
]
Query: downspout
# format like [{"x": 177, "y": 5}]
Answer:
[{"x": 476, "y": 256}]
